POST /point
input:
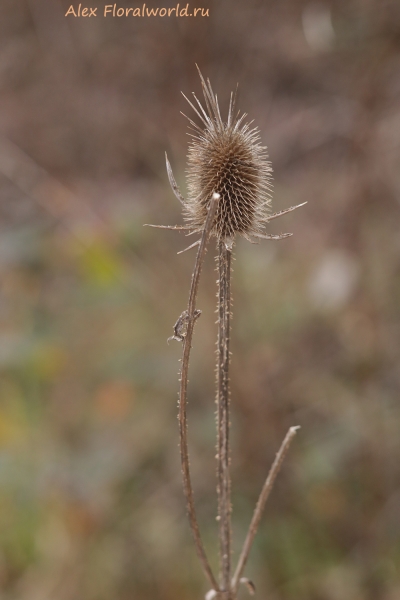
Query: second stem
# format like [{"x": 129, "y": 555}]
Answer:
[{"x": 223, "y": 419}]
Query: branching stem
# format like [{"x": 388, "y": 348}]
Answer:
[{"x": 259, "y": 509}]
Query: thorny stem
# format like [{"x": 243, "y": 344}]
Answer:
[
  {"x": 255, "y": 521},
  {"x": 182, "y": 415},
  {"x": 223, "y": 424}
]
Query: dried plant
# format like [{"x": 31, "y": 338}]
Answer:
[{"x": 229, "y": 187}]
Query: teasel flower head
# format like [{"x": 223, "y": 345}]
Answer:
[{"x": 227, "y": 157}]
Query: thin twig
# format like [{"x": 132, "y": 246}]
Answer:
[
  {"x": 255, "y": 521},
  {"x": 223, "y": 424},
  {"x": 182, "y": 416}
]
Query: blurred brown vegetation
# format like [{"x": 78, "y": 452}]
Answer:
[{"x": 91, "y": 506}]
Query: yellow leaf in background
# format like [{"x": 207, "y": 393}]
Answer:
[
  {"x": 11, "y": 429},
  {"x": 13, "y": 421},
  {"x": 100, "y": 265}
]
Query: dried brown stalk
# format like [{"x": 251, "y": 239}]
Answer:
[
  {"x": 223, "y": 419},
  {"x": 258, "y": 511},
  {"x": 191, "y": 318}
]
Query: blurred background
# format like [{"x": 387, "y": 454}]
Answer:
[{"x": 91, "y": 505}]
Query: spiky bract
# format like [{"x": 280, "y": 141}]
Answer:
[{"x": 227, "y": 158}]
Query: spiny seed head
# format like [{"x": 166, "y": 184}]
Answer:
[{"x": 227, "y": 157}]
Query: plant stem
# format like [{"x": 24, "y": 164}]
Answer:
[
  {"x": 265, "y": 492},
  {"x": 182, "y": 415},
  {"x": 223, "y": 424}
]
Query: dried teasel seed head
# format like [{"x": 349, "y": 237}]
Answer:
[{"x": 227, "y": 157}]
